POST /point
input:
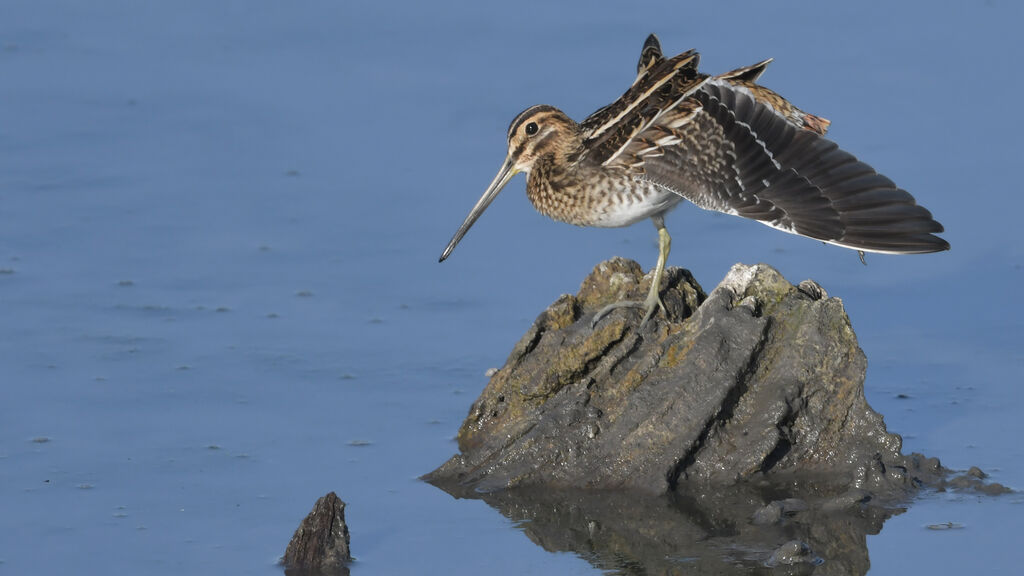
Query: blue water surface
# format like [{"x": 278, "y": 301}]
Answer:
[{"x": 219, "y": 289}]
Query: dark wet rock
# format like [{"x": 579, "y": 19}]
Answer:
[
  {"x": 793, "y": 552},
  {"x": 961, "y": 482},
  {"x": 770, "y": 513},
  {"x": 971, "y": 481},
  {"x": 974, "y": 481},
  {"x": 700, "y": 444},
  {"x": 848, "y": 500},
  {"x": 320, "y": 545},
  {"x": 993, "y": 489},
  {"x": 759, "y": 378},
  {"x": 977, "y": 473},
  {"x": 791, "y": 506},
  {"x": 776, "y": 509}
]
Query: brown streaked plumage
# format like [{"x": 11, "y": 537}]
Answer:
[{"x": 724, "y": 143}]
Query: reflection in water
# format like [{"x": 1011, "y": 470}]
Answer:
[
  {"x": 733, "y": 530},
  {"x": 338, "y": 571}
]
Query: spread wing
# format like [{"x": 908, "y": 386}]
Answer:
[
  {"x": 728, "y": 144},
  {"x": 733, "y": 153}
]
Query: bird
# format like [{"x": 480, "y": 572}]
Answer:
[{"x": 724, "y": 143}]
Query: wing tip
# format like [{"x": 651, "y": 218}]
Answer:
[{"x": 906, "y": 244}]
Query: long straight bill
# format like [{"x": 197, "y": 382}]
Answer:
[{"x": 504, "y": 175}]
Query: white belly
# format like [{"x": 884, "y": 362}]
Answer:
[{"x": 643, "y": 201}]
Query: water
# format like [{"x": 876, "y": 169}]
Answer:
[{"x": 219, "y": 227}]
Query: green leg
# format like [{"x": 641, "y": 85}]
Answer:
[{"x": 653, "y": 301}]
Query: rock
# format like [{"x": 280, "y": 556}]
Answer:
[
  {"x": 697, "y": 444},
  {"x": 972, "y": 481},
  {"x": 977, "y": 473},
  {"x": 993, "y": 489},
  {"x": 776, "y": 509},
  {"x": 848, "y": 500},
  {"x": 792, "y": 552},
  {"x": 770, "y": 513},
  {"x": 963, "y": 482},
  {"x": 759, "y": 379},
  {"x": 321, "y": 542}
]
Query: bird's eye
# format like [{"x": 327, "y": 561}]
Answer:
[{"x": 531, "y": 128}]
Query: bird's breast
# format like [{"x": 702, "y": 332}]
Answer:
[{"x": 597, "y": 198}]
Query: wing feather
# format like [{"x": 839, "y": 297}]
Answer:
[
  {"x": 655, "y": 94},
  {"x": 740, "y": 156},
  {"x": 728, "y": 144}
]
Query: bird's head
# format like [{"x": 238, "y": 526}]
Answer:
[{"x": 537, "y": 133}]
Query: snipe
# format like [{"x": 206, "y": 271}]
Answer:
[{"x": 722, "y": 142}]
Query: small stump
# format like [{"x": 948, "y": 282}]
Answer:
[{"x": 320, "y": 544}]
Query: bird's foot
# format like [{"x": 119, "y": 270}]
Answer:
[{"x": 652, "y": 303}]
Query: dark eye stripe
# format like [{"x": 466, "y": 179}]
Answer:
[{"x": 538, "y": 147}]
